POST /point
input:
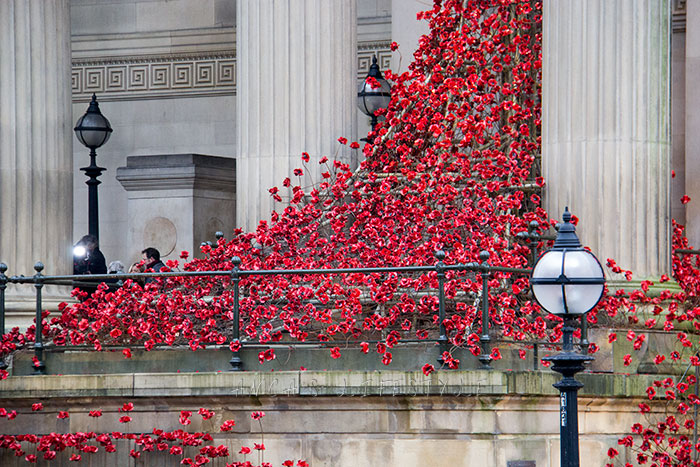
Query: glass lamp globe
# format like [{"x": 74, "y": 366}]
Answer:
[
  {"x": 567, "y": 280},
  {"x": 93, "y": 129},
  {"x": 371, "y": 98}
]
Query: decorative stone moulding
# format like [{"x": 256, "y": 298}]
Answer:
[
  {"x": 367, "y": 50},
  {"x": 179, "y": 75},
  {"x": 152, "y": 76}
]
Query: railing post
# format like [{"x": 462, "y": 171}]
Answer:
[
  {"x": 532, "y": 238},
  {"x": 440, "y": 269},
  {"x": 584, "y": 335},
  {"x": 695, "y": 412},
  {"x": 39, "y": 366},
  {"x": 485, "y": 339},
  {"x": 536, "y": 357},
  {"x": 3, "y": 286},
  {"x": 236, "y": 362}
]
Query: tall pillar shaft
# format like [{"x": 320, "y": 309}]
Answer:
[
  {"x": 606, "y": 126},
  {"x": 36, "y": 195},
  {"x": 692, "y": 122},
  {"x": 296, "y": 92}
]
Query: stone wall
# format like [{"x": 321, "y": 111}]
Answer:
[{"x": 392, "y": 418}]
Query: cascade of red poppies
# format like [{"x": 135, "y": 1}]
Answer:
[{"x": 453, "y": 167}]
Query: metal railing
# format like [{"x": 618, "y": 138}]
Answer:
[
  {"x": 686, "y": 251},
  {"x": 236, "y": 274},
  {"x": 482, "y": 268}
]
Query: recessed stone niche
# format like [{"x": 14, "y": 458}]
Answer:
[{"x": 177, "y": 201}]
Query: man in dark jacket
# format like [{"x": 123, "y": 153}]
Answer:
[{"x": 152, "y": 260}]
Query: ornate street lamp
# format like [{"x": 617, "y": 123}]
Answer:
[
  {"x": 374, "y": 94},
  {"x": 93, "y": 130},
  {"x": 568, "y": 281}
]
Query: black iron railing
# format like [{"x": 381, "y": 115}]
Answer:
[{"x": 483, "y": 268}]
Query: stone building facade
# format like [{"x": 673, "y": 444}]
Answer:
[
  {"x": 213, "y": 101},
  {"x": 262, "y": 81}
]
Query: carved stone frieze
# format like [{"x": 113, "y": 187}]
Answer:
[
  {"x": 365, "y": 52},
  {"x": 154, "y": 76},
  {"x": 180, "y": 75}
]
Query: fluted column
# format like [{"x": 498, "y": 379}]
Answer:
[
  {"x": 692, "y": 122},
  {"x": 605, "y": 126},
  {"x": 36, "y": 195},
  {"x": 296, "y": 92}
]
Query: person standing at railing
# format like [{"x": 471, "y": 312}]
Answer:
[
  {"x": 115, "y": 267},
  {"x": 151, "y": 258},
  {"x": 88, "y": 259},
  {"x": 152, "y": 262}
]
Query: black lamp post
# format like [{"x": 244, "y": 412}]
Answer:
[
  {"x": 568, "y": 281},
  {"x": 93, "y": 130},
  {"x": 374, "y": 94}
]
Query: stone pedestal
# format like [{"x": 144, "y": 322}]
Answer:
[
  {"x": 605, "y": 126},
  {"x": 36, "y": 193},
  {"x": 296, "y": 92},
  {"x": 177, "y": 201}
]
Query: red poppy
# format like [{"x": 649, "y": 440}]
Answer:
[{"x": 227, "y": 425}]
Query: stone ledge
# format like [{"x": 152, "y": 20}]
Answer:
[
  {"x": 178, "y": 171},
  {"x": 319, "y": 383}
]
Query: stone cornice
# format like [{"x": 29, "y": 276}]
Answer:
[
  {"x": 373, "y": 45},
  {"x": 178, "y": 171},
  {"x": 153, "y": 58},
  {"x": 175, "y": 178}
]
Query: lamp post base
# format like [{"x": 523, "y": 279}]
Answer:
[{"x": 568, "y": 363}]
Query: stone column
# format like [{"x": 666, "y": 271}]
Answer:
[
  {"x": 296, "y": 92},
  {"x": 605, "y": 126},
  {"x": 36, "y": 194},
  {"x": 692, "y": 123}
]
